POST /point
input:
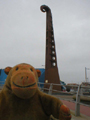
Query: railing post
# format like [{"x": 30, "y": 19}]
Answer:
[
  {"x": 50, "y": 89},
  {"x": 39, "y": 84},
  {"x": 77, "y": 105}
]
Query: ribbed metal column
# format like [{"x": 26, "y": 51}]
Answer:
[{"x": 51, "y": 69}]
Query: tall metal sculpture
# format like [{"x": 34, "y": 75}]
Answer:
[{"x": 51, "y": 69}]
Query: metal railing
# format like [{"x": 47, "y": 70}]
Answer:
[{"x": 78, "y": 91}]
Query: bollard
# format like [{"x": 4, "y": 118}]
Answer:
[
  {"x": 77, "y": 105},
  {"x": 50, "y": 89}
]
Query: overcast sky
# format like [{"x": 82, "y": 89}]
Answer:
[{"x": 23, "y": 34}]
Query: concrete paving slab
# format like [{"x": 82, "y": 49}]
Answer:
[{"x": 81, "y": 117}]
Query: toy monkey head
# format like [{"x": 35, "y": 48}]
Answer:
[{"x": 22, "y": 80}]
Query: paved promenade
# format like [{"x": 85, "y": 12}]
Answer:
[{"x": 84, "y": 111}]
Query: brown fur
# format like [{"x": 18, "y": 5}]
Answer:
[{"x": 34, "y": 104}]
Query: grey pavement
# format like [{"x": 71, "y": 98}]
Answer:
[{"x": 81, "y": 117}]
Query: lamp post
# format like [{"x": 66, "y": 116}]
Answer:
[{"x": 86, "y": 73}]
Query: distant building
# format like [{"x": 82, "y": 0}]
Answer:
[
  {"x": 85, "y": 83},
  {"x": 72, "y": 87},
  {"x": 72, "y": 84},
  {"x": 2, "y": 77},
  {"x": 42, "y": 77}
]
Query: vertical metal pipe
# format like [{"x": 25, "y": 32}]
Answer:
[
  {"x": 85, "y": 74},
  {"x": 77, "y": 105}
]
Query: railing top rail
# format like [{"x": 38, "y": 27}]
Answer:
[{"x": 64, "y": 85}]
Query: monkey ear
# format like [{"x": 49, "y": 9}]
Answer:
[
  {"x": 39, "y": 73},
  {"x": 7, "y": 69}
]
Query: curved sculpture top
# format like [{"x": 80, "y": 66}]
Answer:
[
  {"x": 50, "y": 42},
  {"x": 44, "y": 8}
]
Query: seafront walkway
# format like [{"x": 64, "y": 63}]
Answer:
[{"x": 84, "y": 110}]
